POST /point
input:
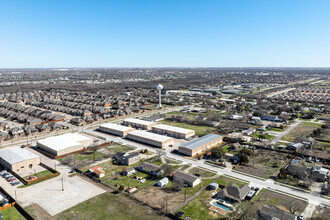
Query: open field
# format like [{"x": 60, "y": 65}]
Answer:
[
  {"x": 104, "y": 206},
  {"x": 88, "y": 157},
  {"x": 12, "y": 213},
  {"x": 264, "y": 163},
  {"x": 305, "y": 128},
  {"x": 267, "y": 136},
  {"x": 279, "y": 200},
  {"x": 199, "y": 130}
]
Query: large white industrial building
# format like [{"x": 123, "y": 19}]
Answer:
[
  {"x": 137, "y": 123},
  {"x": 64, "y": 144},
  {"x": 173, "y": 131},
  {"x": 115, "y": 129},
  {"x": 150, "y": 138}
]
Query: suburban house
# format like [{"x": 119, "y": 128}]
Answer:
[
  {"x": 127, "y": 158},
  {"x": 97, "y": 171},
  {"x": 295, "y": 146},
  {"x": 269, "y": 212},
  {"x": 163, "y": 182},
  {"x": 319, "y": 173},
  {"x": 233, "y": 193},
  {"x": 186, "y": 178},
  {"x": 149, "y": 168},
  {"x": 129, "y": 172}
]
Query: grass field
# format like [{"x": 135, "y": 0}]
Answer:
[
  {"x": 199, "y": 130},
  {"x": 267, "y": 136},
  {"x": 12, "y": 213},
  {"x": 109, "y": 206},
  {"x": 202, "y": 172},
  {"x": 43, "y": 174},
  {"x": 305, "y": 128}
]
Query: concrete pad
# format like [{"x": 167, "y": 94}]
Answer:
[{"x": 53, "y": 200}]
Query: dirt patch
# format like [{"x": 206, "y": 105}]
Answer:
[
  {"x": 156, "y": 197},
  {"x": 284, "y": 202},
  {"x": 264, "y": 163},
  {"x": 321, "y": 213}
]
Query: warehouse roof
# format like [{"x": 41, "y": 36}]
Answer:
[
  {"x": 150, "y": 136},
  {"x": 63, "y": 141},
  {"x": 15, "y": 155},
  {"x": 201, "y": 141},
  {"x": 116, "y": 127},
  {"x": 172, "y": 128},
  {"x": 138, "y": 121}
]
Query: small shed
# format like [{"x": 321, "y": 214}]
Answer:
[
  {"x": 162, "y": 182},
  {"x": 213, "y": 186}
]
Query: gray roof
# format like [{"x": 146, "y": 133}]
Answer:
[
  {"x": 185, "y": 176},
  {"x": 201, "y": 141},
  {"x": 234, "y": 192},
  {"x": 15, "y": 155},
  {"x": 272, "y": 212}
]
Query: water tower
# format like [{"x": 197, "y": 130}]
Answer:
[{"x": 160, "y": 87}]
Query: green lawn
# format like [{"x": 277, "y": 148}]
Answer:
[
  {"x": 267, "y": 136},
  {"x": 277, "y": 129},
  {"x": 199, "y": 130},
  {"x": 43, "y": 174},
  {"x": 109, "y": 206},
  {"x": 202, "y": 172},
  {"x": 12, "y": 213}
]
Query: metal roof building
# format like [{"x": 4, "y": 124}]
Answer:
[
  {"x": 150, "y": 138},
  {"x": 16, "y": 158},
  {"x": 64, "y": 144},
  {"x": 173, "y": 131},
  {"x": 137, "y": 123},
  {"x": 200, "y": 145},
  {"x": 115, "y": 129}
]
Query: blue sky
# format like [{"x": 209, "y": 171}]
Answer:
[{"x": 168, "y": 33}]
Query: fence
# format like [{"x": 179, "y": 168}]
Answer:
[{"x": 188, "y": 200}]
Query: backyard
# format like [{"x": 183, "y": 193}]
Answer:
[
  {"x": 199, "y": 208},
  {"x": 264, "y": 163}
]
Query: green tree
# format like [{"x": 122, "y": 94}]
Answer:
[
  {"x": 283, "y": 172},
  {"x": 121, "y": 188},
  {"x": 244, "y": 159},
  {"x": 218, "y": 152}
]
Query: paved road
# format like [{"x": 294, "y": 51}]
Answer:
[{"x": 313, "y": 198}]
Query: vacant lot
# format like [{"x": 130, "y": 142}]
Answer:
[
  {"x": 202, "y": 172},
  {"x": 88, "y": 157},
  {"x": 304, "y": 128},
  {"x": 12, "y": 213},
  {"x": 104, "y": 206},
  {"x": 264, "y": 163},
  {"x": 321, "y": 213},
  {"x": 199, "y": 130},
  {"x": 284, "y": 202}
]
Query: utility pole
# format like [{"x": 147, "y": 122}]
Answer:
[
  {"x": 62, "y": 185},
  {"x": 185, "y": 194},
  {"x": 165, "y": 204}
]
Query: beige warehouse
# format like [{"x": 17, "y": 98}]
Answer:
[
  {"x": 150, "y": 138},
  {"x": 137, "y": 123},
  {"x": 115, "y": 129},
  {"x": 173, "y": 131},
  {"x": 200, "y": 145},
  {"x": 64, "y": 144},
  {"x": 16, "y": 159}
]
